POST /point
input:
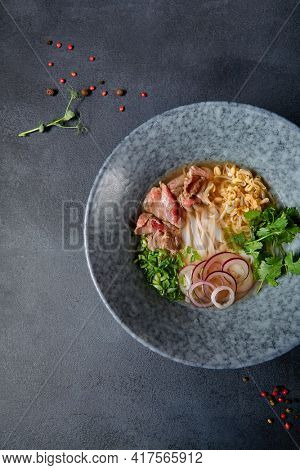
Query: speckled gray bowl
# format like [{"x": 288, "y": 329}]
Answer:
[{"x": 254, "y": 330}]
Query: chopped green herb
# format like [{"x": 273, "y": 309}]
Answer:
[{"x": 161, "y": 270}]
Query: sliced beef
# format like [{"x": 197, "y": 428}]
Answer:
[
  {"x": 169, "y": 240},
  {"x": 159, "y": 234},
  {"x": 176, "y": 185},
  {"x": 164, "y": 205},
  {"x": 194, "y": 183},
  {"x": 147, "y": 224}
]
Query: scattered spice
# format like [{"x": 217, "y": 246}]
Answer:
[
  {"x": 62, "y": 80},
  {"x": 283, "y": 416},
  {"x": 68, "y": 115},
  {"x": 49, "y": 42},
  {"x": 272, "y": 402},
  {"x": 85, "y": 92},
  {"x": 120, "y": 92},
  {"x": 144, "y": 94},
  {"x": 289, "y": 410},
  {"x": 296, "y": 417},
  {"x": 101, "y": 82},
  {"x": 280, "y": 399},
  {"x": 270, "y": 420},
  {"x": 70, "y": 47},
  {"x": 285, "y": 391},
  {"x": 122, "y": 109},
  {"x": 73, "y": 74},
  {"x": 287, "y": 426},
  {"x": 50, "y": 64},
  {"x": 263, "y": 394},
  {"x": 245, "y": 379},
  {"x": 275, "y": 393},
  {"x": 103, "y": 92},
  {"x": 58, "y": 45},
  {"x": 288, "y": 401},
  {"x": 92, "y": 87},
  {"x": 92, "y": 58},
  {"x": 50, "y": 91}
]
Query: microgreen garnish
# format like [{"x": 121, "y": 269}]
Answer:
[{"x": 68, "y": 115}]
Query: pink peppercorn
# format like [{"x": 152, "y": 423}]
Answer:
[
  {"x": 73, "y": 74},
  {"x": 104, "y": 93},
  {"x": 92, "y": 58},
  {"x": 92, "y": 87},
  {"x": 62, "y": 80},
  {"x": 122, "y": 109},
  {"x": 50, "y": 64},
  {"x": 70, "y": 47},
  {"x": 144, "y": 94},
  {"x": 58, "y": 45}
]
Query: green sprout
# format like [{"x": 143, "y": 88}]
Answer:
[{"x": 68, "y": 115}]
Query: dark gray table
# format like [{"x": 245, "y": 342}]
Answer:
[{"x": 70, "y": 376}]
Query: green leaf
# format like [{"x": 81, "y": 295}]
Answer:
[
  {"x": 288, "y": 235},
  {"x": 270, "y": 269},
  {"x": 239, "y": 239},
  {"x": 250, "y": 216},
  {"x": 293, "y": 267},
  {"x": 69, "y": 115},
  {"x": 273, "y": 228},
  {"x": 292, "y": 214},
  {"x": 252, "y": 246}
]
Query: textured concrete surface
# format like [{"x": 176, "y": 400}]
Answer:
[{"x": 70, "y": 376}]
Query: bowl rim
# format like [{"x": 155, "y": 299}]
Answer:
[{"x": 89, "y": 202}]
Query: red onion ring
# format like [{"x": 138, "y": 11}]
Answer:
[
  {"x": 186, "y": 272},
  {"x": 196, "y": 276},
  {"x": 215, "y": 262},
  {"x": 224, "y": 277},
  {"x": 229, "y": 301},
  {"x": 193, "y": 300},
  {"x": 237, "y": 262}
]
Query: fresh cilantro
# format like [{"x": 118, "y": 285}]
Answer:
[
  {"x": 270, "y": 230},
  {"x": 252, "y": 215},
  {"x": 270, "y": 269},
  {"x": 292, "y": 267}
]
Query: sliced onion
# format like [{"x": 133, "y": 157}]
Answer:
[
  {"x": 246, "y": 285},
  {"x": 237, "y": 267},
  {"x": 206, "y": 301},
  {"x": 185, "y": 274},
  {"x": 228, "y": 302},
  {"x": 197, "y": 273},
  {"x": 224, "y": 277},
  {"x": 215, "y": 262}
]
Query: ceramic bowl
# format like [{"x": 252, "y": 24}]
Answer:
[{"x": 256, "y": 329}]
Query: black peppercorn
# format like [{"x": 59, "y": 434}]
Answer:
[
  {"x": 85, "y": 92},
  {"x": 120, "y": 92},
  {"x": 245, "y": 379},
  {"x": 49, "y": 42}
]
